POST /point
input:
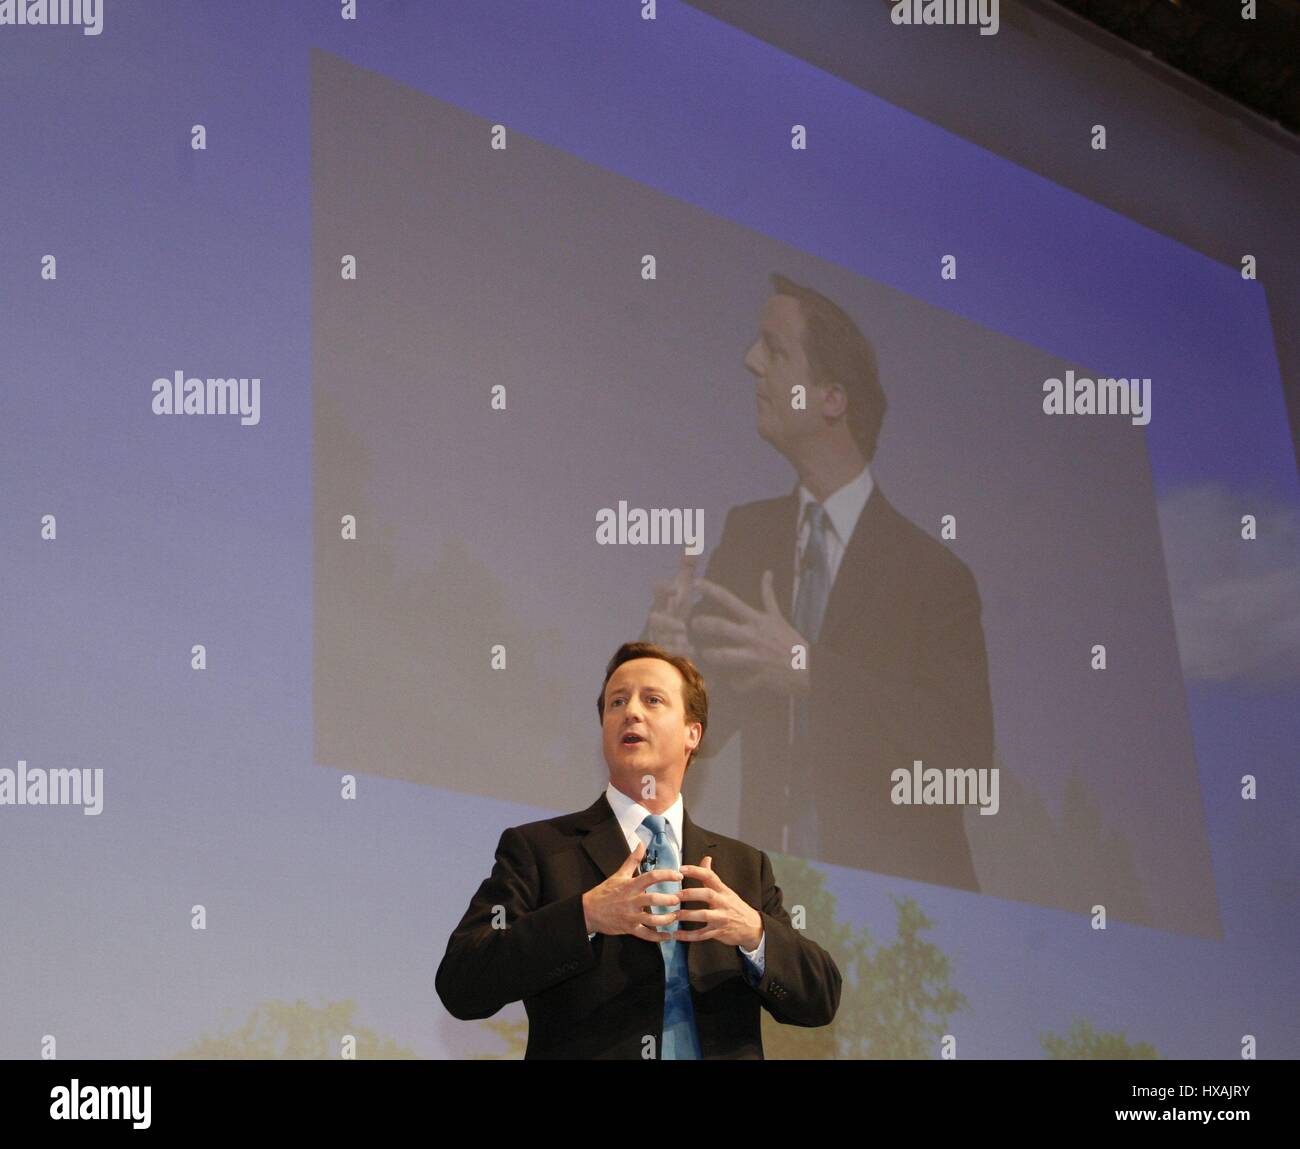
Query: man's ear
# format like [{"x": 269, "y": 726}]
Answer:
[{"x": 835, "y": 400}]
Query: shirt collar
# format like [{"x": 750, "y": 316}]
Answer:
[
  {"x": 843, "y": 507},
  {"x": 631, "y": 814}
]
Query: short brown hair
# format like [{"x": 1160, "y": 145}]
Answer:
[
  {"x": 838, "y": 352},
  {"x": 695, "y": 695}
]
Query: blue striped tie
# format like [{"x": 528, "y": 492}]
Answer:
[
  {"x": 809, "y": 609},
  {"x": 680, "y": 1042}
]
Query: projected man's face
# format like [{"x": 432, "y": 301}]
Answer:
[
  {"x": 776, "y": 359},
  {"x": 644, "y": 730}
]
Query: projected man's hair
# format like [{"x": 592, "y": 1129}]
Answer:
[{"x": 839, "y": 353}]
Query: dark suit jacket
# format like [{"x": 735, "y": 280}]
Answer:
[
  {"x": 899, "y": 673},
  {"x": 601, "y": 998}
]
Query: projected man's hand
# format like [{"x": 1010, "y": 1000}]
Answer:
[
  {"x": 666, "y": 623},
  {"x": 751, "y": 648}
]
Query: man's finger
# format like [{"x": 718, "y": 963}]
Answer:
[
  {"x": 697, "y": 916},
  {"x": 728, "y": 601},
  {"x": 767, "y": 589},
  {"x": 653, "y": 876},
  {"x": 653, "y": 921},
  {"x": 702, "y": 894},
  {"x": 683, "y": 586},
  {"x": 707, "y": 876},
  {"x": 632, "y": 861},
  {"x": 703, "y": 935},
  {"x": 720, "y": 629}
]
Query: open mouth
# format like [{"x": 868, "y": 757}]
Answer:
[{"x": 632, "y": 740}]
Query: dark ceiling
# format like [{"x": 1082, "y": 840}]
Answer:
[{"x": 1254, "y": 62}]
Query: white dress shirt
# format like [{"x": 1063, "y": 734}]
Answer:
[
  {"x": 843, "y": 509},
  {"x": 631, "y": 815}
]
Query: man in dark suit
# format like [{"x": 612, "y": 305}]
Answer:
[
  {"x": 610, "y": 958},
  {"x": 889, "y": 618}
]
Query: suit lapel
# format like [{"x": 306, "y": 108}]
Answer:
[
  {"x": 861, "y": 584},
  {"x": 695, "y": 844},
  {"x": 603, "y": 841},
  {"x": 779, "y": 559}
]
